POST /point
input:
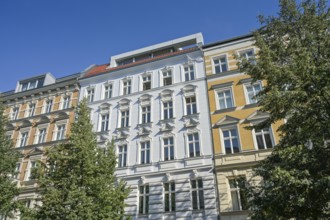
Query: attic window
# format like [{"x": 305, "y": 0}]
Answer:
[{"x": 32, "y": 84}]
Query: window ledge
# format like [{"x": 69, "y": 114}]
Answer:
[
  {"x": 196, "y": 115},
  {"x": 219, "y": 111},
  {"x": 252, "y": 105}
]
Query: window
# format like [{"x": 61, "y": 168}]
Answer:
[
  {"x": 14, "y": 113},
  {"x": 107, "y": 91},
  {"x": 90, "y": 95},
  {"x": 168, "y": 148},
  {"x": 17, "y": 170},
  {"x": 31, "y": 84},
  {"x": 104, "y": 122},
  {"x": 167, "y": 78},
  {"x": 66, "y": 102},
  {"x": 193, "y": 142},
  {"x": 146, "y": 114},
  {"x": 60, "y": 133},
  {"x": 24, "y": 137},
  {"x": 146, "y": 82},
  {"x": 32, "y": 165},
  {"x": 263, "y": 138},
  {"x": 252, "y": 91},
  {"x": 144, "y": 199},
  {"x": 168, "y": 109},
  {"x": 248, "y": 55},
  {"x": 41, "y": 136},
  {"x": 189, "y": 73},
  {"x": 238, "y": 194},
  {"x": 191, "y": 105},
  {"x": 124, "y": 118},
  {"x": 122, "y": 156},
  {"x": 48, "y": 107},
  {"x": 30, "y": 111},
  {"x": 169, "y": 196},
  {"x": 230, "y": 140},
  {"x": 225, "y": 99},
  {"x": 220, "y": 64},
  {"x": 145, "y": 152},
  {"x": 197, "y": 194},
  {"x": 126, "y": 87}
]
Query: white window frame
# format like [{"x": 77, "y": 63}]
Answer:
[
  {"x": 194, "y": 144},
  {"x": 124, "y": 117},
  {"x": 167, "y": 73},
  {"x": 29, "y": 85},
  {"x": 170, "y": 192},
  {"x": 248, "y": 101},
  {"x": 217, "y": 91},
  {"x": 17, "y": 170},
  {"x": 37, "y": 136},
  {"x": 14, "y": 113},
  {"x": 191, "y": 105},
  {"x": 55, "y": 131},
  {"x": 199, "y": 191},
  {"x": 189, "y": 66},
  {"x": 122, "y": 155},
  {"x": 104, "y": 124},
  {"x": 26, "y": 142},
  {"x": 222, "y": 129},
  {"x": 168, "y": 146},
  {"x": 272, "y": 138},
  {"x": 90, "y": 94},
  {"x": 126, "y": 86},
  {"x": 30, "y": 111},
  {"x": 145, "y": 151},
  {"x": 146, "y": 78},
  {"x": 107, "y": 93},
  {"x": 31, "y": 164},
  {"x": 48, "y": 108},
  {"x": 241, "y": 52},
  {"x": 145, "y": 199},
  {"x": 220, "y": 63},
  {"x": 235, "y": 190},
  {"x": 146, "y": 113},
  {"x": 66, "y": 101},
  {"x": 168, "y": 108}
]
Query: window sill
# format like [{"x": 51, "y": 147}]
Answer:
[
  {"x": 252, "y": 105},
  {"x": 219, "y": 111}
]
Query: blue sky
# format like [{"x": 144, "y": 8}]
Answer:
[{"x": 66, "y": 36}]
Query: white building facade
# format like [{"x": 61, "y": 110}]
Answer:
[{"x": 153, "y": 103}]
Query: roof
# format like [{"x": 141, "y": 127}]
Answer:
[
  {"x": 104, "y": 68},
  {"x": 227, "y": 40}
]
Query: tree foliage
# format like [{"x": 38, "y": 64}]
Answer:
[
  {"x": 294, "y": 59},
  {"x": 77, "y": 181},
  {"x": 8, "y": 160}
]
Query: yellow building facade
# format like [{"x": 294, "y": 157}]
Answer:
[
  {"x": 233, "y": 107},
  {"x": 40, "y": 111}
]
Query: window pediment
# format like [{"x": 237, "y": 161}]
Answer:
[
  {"x": 257, "y": 116},
  {"x": 166, "y": 95},
  {"x": 189, "y": 90},
  {"x": 227, "y": 120}
]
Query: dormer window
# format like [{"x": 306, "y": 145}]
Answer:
[{"x": 32, "y": 84}]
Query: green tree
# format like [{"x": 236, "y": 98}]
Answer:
[
  {"x": 8, "y": 160},
  {"x": 294, "y": 59},
  {"x": 77, "y": 181}
]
